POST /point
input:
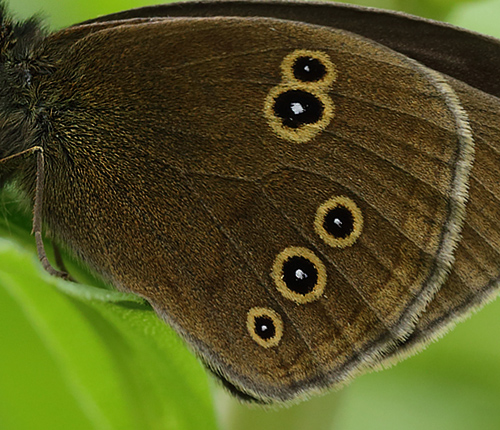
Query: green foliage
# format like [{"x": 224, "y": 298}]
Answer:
[{"x": 81, "y": 357}]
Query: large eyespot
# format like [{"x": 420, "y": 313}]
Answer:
[
  {"x": 265, "y": 326},
  {"x": 308, "y": 67},
  {"x": 299, "y": 275},
  {"x": 297, "y": 108},
  {"x": 339, "y": 222},
  {"x": 296, "y": 113}
]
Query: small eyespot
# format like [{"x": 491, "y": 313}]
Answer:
[
  {"x": 308, "y": 67},
  {"x": 265, "y": 326},
  {"x": 299, "y": 275},
  {"x": 339, "y": 222},
  {"x": 297, "y": 113}
]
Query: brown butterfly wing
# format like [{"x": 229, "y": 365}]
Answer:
[
  {"x": 465, "y": 55},
  {"x": 168, "y": 141},
  {"x": 475, "y": 274},
  {"x": 468, "y": 56}
]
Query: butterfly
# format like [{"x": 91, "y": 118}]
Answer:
[{"x": 303, "y": 191}]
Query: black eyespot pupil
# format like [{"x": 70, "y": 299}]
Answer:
[
  {"x": 296, "y": 107},
  {"x": 308, "y": 69},
  {"x": 300, "y": 275},
  {"x": 339, "y": 222},
  {"x": 264, "y": 327}
]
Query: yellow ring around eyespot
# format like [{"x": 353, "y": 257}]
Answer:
[
  {"x": 357, "y": 224},
  {"x": 305, "y": 132},
  {"x": 277, "y": 275},
  {"x": 254, "y": 313},
  {"x": 324, "y": 58}
]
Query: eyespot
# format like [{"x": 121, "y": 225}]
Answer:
[
  {"x": 296, "y": 113},
  {"x": 339, "y": 222},
  {"x": 265, "y": 326},
  {"x": 299, "y": 275},
  {"x": 297, "y": 107},
  {"x": 308, "y": 67}
]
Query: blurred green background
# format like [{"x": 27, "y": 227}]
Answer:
[{"x": 70, "y": 359}]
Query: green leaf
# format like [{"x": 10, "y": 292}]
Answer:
[{"x": 74, "y": 356}]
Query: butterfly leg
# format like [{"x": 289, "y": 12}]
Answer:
[{"x": 37, "y": 207}]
